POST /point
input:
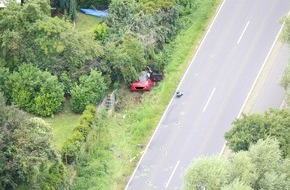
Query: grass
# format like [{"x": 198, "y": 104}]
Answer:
[
  {"x": 85, "y": 22},
  {"x": 62, "y": 125}
]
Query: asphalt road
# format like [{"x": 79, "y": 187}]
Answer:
[
  {"x": 215, "y": 87},
  {"x": 271, "y": 94}
]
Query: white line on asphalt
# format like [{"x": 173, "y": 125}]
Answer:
[
  {"x": 166, "y": 110},
  {"x": 208, "y": 100},
  {"x": 243, "y": 32},
  {"x": 172, "y": 174},
  {"x": 261, "y": 69}
]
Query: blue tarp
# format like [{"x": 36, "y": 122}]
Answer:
[{"x": 96, "y": 13}]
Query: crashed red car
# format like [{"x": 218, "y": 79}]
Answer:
[{"x": 143, "y": 84}]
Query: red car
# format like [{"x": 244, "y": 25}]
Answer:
[{"x": 143, "y": 84}]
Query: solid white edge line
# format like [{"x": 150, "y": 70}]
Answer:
[
  {"x": 257, "y": 77},
  {"x": 167, "y": 184},
  {"x": 243, "y": 32},
  {"x": 208, "y": 100},
  {"x": 201, "y": 44},
  {"x": 166, "y": 110}
]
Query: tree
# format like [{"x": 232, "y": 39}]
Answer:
[
  {"x": 27, "y": 158},
  {"x": 99, "y": 4},
  {"x": 4, "y": 74},
  {"x": 208, "y": 172},
  {"x": 153, "y": 22},
  {"x": 35, "y": 91},
  {"x": 65, "y": 7},
  {"x": 45, "y": 38},
  {"x": 236, "y": 185},
  {"x": 90, "y": 90},
  {"x": 249, "y": 129},
  {"x": 126, "y": 59},
  {"x": 14, "y": 23},
  {"x": 261, "y": 167},
  {"x": 79, "y": 53}
]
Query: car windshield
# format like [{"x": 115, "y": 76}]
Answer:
[{"x": 143, "y": 78}]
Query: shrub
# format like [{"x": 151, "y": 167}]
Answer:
[
  {"x": 35, "y": 91},
  {"x": 71, "y": 147},
  {"x": 73, "y": 144},
  {"x": 101, "y": 31},
  {"x": 90, "y": 90}
]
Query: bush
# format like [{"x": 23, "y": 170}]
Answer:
[
  {"x": 34, "y": 91},
  {"x": 50, "y": 96},
  {"x": 72, "y": 146},
  {"x": 90, "y": 90},
  {"x": 101, "y": 31}
]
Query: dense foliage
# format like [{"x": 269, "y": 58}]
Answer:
[
  {"x": 34, "y": 91},
  {"x": 90, "y": 90},
  {"x": 27, "y": 158},
  {"x": 249, "y": 129},
  {"x": 72, "y": 145},
  {"x": 261, "y": 167},
  {"x": 94, "y": 163},
  {"x": 49, "y": 46}
]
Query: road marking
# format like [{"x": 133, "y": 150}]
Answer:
[
  {"x": 208, "y": 100},
  {"x": 167, "y": 108},
  {"x": 243, "y": 32},
  {"x": 172, "y": 174}
]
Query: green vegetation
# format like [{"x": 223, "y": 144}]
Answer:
[
  {"x": 34, "y": 91},
  {"x": 62, "y": 125},
  {"x": 91, "y": 90},
  {"x": 249, "y": 129},
  {"x": 261, "y": 167},
  {"x": 85, "y": 23},
  {"x": 73, "y": 143},
  {"x": 135, "y": 34},
  {"x": 27, "y": 156},
  {"x": 134, "y": 125}
]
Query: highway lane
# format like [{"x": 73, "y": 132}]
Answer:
[{"x": 215, "y": 87}]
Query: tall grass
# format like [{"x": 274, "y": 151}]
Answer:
[{"x": 128, "y": 132}]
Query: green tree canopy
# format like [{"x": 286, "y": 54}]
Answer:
[
  {"x": 249, "y": 129},
  {"x": 90, "y": 90},
  {"x": 261, "y": 167},
  {"x": 126, "y": 59},
  {"x": 27, "y": 158},
  {"x": 208, "y": 172},
  {"x": 35, "y": 91},
  {"x": 14, "y": 23}
]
